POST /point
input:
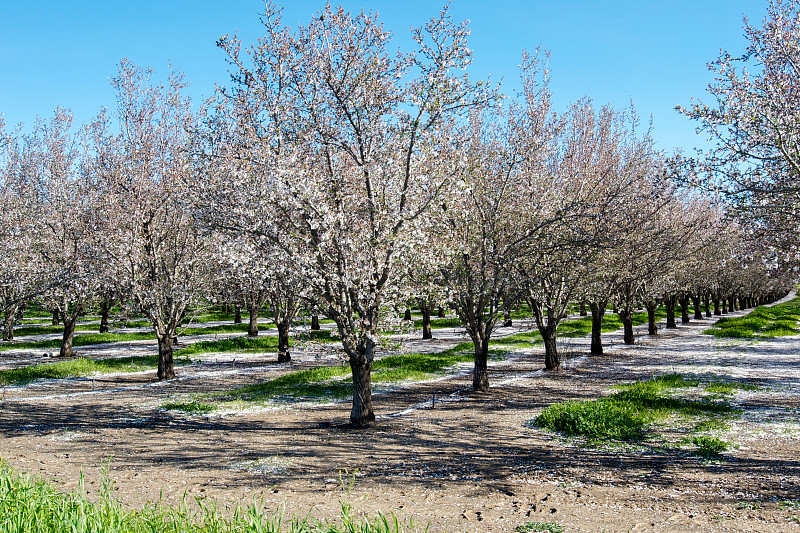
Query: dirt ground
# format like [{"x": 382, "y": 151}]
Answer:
[{"x": 473, "y": 462}]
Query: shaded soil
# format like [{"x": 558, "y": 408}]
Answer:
[{"x": 471, "y": 462}]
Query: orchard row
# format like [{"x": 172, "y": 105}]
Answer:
[{"x": 337, "y": 176}]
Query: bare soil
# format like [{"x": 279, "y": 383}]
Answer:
[{"x": 471, "y": 462}]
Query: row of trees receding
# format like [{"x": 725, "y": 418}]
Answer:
[{"x": 337, "y": 176}]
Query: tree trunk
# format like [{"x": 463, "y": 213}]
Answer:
[
  {"x": 105, "y": 310},
  {"x": 283, "y": 342},
  {"x": 732, "y": 304},
  {"x": 407, "y": 316},
  {"x": 685, "y": 309},
  {"x": 426, "y": 321},
  {"x": 55, "y": 320},
  {"x": 552, "y": 360},
  {"x": 480, "y": 373},
  {"x": 717, "y": 310},
  {"x": 315, "y": 322},
  {"x": 669, "y": 303},
  {"x": 237, "y": 314},
  {"x": 651, "y": 307},
  {"x": 707, "y": 304},
  {"x": 252, "y": 328},
  {"x": 69, "y": 333},
  {"x": 507, "y": 322},
  {"x": 441, "y": 313},
  {"x": 362, "y": 414},
  {"x": 724, "y": 302},
  {"x": 626, "y": 316},
  {"x": 166, "y": 365},
  {"x": 8, "y": 324},
  {"x": 598, "y": 312},
  {"x": 698, "y": 306},
  {"x": 583, "y": 309}
]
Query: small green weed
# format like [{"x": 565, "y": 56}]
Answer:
[
  {"x": 709, "y": 447},
  {"x": 789, "y": 504},
  {"x": 546, "y": 527},
  {"x": 192, "y": 406}
]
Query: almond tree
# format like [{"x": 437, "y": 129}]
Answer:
[
  {"x": 21, "y": 272},
  {"x": 57, "y": 160},
  {"x": 756, "y": 124},
  {"x": 353, "y": 124},
  {"x": 161, "y": 251}
]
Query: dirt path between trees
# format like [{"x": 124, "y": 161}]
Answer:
[{"x": 472, "y": 463}]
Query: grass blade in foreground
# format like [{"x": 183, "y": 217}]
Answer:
[{"x": 29, "y": 505}]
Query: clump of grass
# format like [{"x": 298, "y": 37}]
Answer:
[
  {"x": 192, "y": 406},
  {"x": 30, "y": 505},
  {"x": 763, "y": 322},
  {"x": 545, "y": 527},
  {"x": 81, "y": 367},
  {"x": 709, "y": 447},
  {"x": 626, "y": 415},
  {"x": 601, "y": 419}
]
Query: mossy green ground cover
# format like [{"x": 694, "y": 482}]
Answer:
[
  {"x": 763, "y": 322},
  {"x": 30, "y": 505}
]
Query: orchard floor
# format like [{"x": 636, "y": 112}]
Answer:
[{"x": 472, "y": 463}]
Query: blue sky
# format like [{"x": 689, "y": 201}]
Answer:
[{"x": 653, "y": 52}]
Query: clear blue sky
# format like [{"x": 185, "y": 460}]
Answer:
[{"x": 653, "y": 52}]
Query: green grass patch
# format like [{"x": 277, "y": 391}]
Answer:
[
  {"x": 233, "y": 344},
  {"x": 763, "y": 322},
  {"x": 311, "y": 383},
  {"x": 267, "y": 343},
  {"x": 729, "y": 387},
  {"x": 628, "y": 414},
  {"x": 82, "y": 367},
  {"x": 30, "y": 505},
  {"x": 519, "y": 341},
  {"x": 192, "y": 406},
  {"x": 221, "y": 328},
  {"x": 50, "y": 329},
  {"x": 441, "y": 323},
  {"x": 405, "y": 367},
  {"x": 87, "y": 339},
  {"x": 335, "y": 382}
]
